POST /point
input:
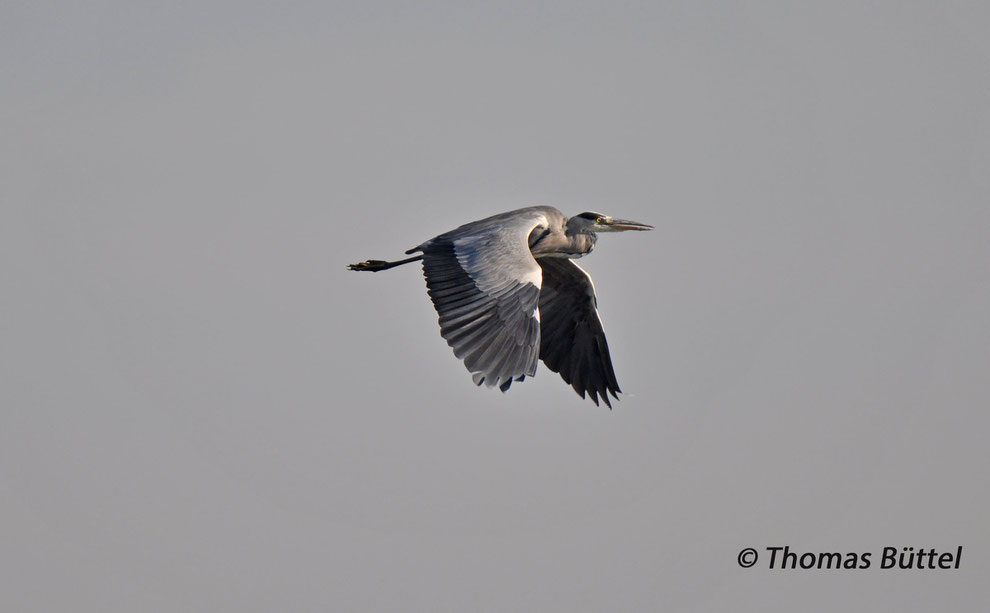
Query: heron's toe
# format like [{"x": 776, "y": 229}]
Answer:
[{"x": 369, "y": 265}]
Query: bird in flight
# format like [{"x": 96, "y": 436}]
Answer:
[{"x": 508, "y": 293}]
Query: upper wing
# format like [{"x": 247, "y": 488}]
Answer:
[
  {"x": 572, "y": 340},
  {"x": 485, "y": 286}
]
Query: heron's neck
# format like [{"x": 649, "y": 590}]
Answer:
[{"x": 579, "y": 243}]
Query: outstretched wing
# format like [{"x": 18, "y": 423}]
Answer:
[
  {"x": 572, "y": 340},
  {"x": 485, "y": 286}
]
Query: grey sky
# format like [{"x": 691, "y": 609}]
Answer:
[{"x": 203, "y": 410}]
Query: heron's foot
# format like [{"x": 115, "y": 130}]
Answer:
[{"x": 370, "y": 265}]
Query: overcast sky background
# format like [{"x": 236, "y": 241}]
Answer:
[{"x": 202, "y": 410}]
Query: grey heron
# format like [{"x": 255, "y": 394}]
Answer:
[{"x": 508, "y": 292}]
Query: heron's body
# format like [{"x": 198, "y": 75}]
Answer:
[{"x": 508, "y": 294}]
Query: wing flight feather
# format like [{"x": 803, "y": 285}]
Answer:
[{"x": 572, "y": 340}]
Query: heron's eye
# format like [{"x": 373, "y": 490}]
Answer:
[{"x": 600, "y": 220}]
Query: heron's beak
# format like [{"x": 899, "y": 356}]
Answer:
[{"x": 619, "y": 225}]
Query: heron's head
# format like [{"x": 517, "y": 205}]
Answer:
[{"x": 591, "y": 223}]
